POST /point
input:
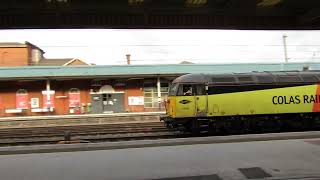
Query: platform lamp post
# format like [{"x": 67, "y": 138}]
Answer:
[{"x": 284, "y": 37}]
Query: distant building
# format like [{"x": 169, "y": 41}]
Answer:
[
  {"x": 186, "y": 62},
  {"x": 19, "y": 54},
  {"x": 27, "y": 54},
  {"x": 62, "y": 62}
]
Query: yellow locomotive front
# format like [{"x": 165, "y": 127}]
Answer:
[{"x": 187, "y": 99}]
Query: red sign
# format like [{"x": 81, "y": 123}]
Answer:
[
  {"x": 74, "y": 99},
  {"x": 48, "y": 101},
  {"x": 22, "y": 101}
]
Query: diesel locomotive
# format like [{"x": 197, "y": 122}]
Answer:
[{"x": 244, "y": 101}]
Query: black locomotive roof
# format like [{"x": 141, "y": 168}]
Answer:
[{"x": 268, "y": 77}]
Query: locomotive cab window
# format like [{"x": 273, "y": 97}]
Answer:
[
  {"x": 200, "y": 89},
  {"x": 191, "y": 89},
  {"x": 185, "y": 90},
  {"x": 173, "y": 89}
]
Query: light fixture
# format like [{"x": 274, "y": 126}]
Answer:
[
  {"x": 267, "y": 3},
  {"x": 196, "y": 3},
  {"x": 58, "y": 1},
  {"x": 135, "y": 2}
]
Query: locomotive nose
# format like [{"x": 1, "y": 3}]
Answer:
[{"x": 167, "y": 105}]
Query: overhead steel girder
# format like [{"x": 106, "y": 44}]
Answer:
[{"x": 214, "y": 14}]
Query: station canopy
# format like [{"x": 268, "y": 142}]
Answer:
[
  {"x": 141, "y": 71},
  {"x": 148, "y": 14}
]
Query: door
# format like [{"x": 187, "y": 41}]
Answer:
[
  {"x": 113, "y": 103},
  {"x": 96, "y": 104},
  {"x": 185, "y": 101},
  {"x": 201, "y": 99}
]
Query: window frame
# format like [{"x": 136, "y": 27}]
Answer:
[{"x": 151, "y": 101}]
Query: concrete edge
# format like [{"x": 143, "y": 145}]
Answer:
[
  {"x": 26, "y": 118},
  {"x": 84, "y": 137},
  {"x": 73, "y": 124},
  {"x": 155, "y": 143}
]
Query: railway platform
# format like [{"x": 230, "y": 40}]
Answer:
[
  {"x": 252, "y": 159},
  {"x": 73, "y": 120},
  {"x": 81, "y": 128}
]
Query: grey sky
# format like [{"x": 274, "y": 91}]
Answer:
[{"x": 171, "y": 46}]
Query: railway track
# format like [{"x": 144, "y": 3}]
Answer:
[
  {"x": 104, "y": 132},
  {"x": 85, "y": 133}
]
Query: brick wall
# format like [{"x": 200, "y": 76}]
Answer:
[
  {"x": 134, "y": 88},
  {"x": 61, "y": 97},
  {"x": 18, "y": 56},
  {"x": 34, "y": 88}
]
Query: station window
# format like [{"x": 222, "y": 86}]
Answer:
[
  {"x": 151, "y": 94},
  {"x": 74, "y": 91},
  {"x": 104, "y": 97},
  {"x": 22, "y": 91}
]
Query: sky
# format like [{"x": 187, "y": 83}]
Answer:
[{"x": 109, "y": 46}]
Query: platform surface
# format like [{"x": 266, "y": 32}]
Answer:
[
  {"x": 83, "y": 119},
  {"x": 281, "y": 159}
]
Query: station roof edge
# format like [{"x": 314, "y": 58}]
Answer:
[{"x": 34, "y": 72}]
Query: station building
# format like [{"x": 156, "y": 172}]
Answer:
[
  {"x": 59, "y": 90},
  {"x": 31, "y": 84},
  {"x": 13, "y": 54}
]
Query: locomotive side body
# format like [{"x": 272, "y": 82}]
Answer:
[
  {"x": 194, "y": 97},
  {"x": 300, "y": 99}
]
